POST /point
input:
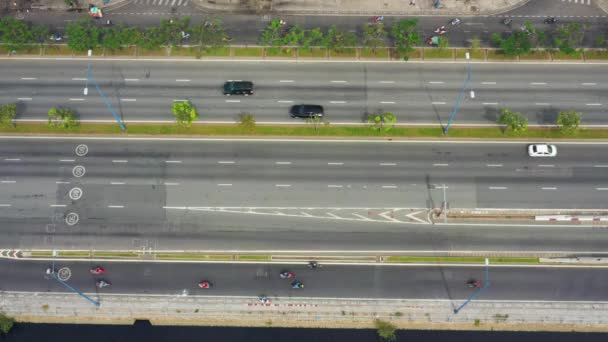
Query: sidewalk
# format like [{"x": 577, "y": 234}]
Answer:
[
  {"x": 365, "y": 7},
  {"x": 306, "y": 312}
]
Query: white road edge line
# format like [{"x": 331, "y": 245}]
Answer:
[
  {"x": 225, "y": 162},
  {"x": 116, "y": 206},
  {"x": 119, "y": 161},
  {"x": 497, "y": 187},
  {"x": 494, "y": 165}
]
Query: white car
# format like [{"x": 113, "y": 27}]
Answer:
[{"x": 542, "y": 150}]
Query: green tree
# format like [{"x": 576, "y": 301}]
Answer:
[
  {"x": 185, "y": 113},
  {"x": 247, "y": 121},
  {"x": 385, "y": 330},
  {"x": 294, "y": 36},
  {"x": 15, "y": 33},
  {"x": 7, "y": 114},
  {"x": 382, "y": 122},
  {"x": 374, "y": 36},
  {"x": 517, "y": 43},
  {"x": 406, "y": 36},
  {"x": 151, "y": 38},
  {"x": 569, "y": 121},
  {"x": 209, "y": 33},
  {"x": 316, "y": 122},
  {"x": 40, "y": 34},
  {"x": 272, "y": 34},
  {"x": 600, "y": 41},
  {"x": 475, "y": 44},
  {"x": 513, "y": 121},
  {"x": 62, "y": 117},
  {"x": 568, "y": 37},
  {"x": 84, "y": 34},
  {"x": 114, "y": 38},
  {"x": 313, "y": 37},
  {"x": 171, "y": 30},
  {"x": 444, "y": 43},
  {"x": 6, "y": 323},
  {"x": 338, "y": 40}
]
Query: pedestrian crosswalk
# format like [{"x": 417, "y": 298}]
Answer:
[
  {"x": 581, "y": 2},
  {"x": 170, "y": 3}
]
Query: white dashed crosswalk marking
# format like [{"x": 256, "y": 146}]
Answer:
[
  {"x": 170, "y": 3},
  {"x": 582, "y": 2}
]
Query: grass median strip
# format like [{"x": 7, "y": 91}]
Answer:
[
  {"x": 253, "y": 257},
  {"x": 474, "y": 260},
  {"x": 186, "y": 256}
]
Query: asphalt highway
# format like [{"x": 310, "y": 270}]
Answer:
[
  {"x": 283, "y": 195},
  {"x": 333, "y": 281},
  {"x": 416, "y": 93}
]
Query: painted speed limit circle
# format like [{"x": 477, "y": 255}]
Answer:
[
  {"x": 64, "y": 274},
  {"x": 78, "y": 171},
  {"x": 75, "y": 193},
  {"x": 82, "y": 150},
  {"x": 71, "y": 219}
]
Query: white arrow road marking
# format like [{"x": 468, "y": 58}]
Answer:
[
  {"x": 384, "y": 214},
  {"x": 411, "y": 215}
]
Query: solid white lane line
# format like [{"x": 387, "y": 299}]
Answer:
[
  {"x": 169, "y": 183},
  {"x": 601, "y": 189},
  {"x": 173, "y": 161},
  {"x": 538, "y": 83},
  {"x": 131, "y": 79},
  {"x": 62, "y": 182},
  {"x": 386, "y": 82},
  {"x": 182, "y": 80},
  {"x": 117, "y": 183},
  {"x": 593, "y": 104},
  {"x": 588, "y": 84},
  {"x": 77, "y": 99},
  {"x": 233, "y": 101},
  {"x": 284, "y": 101},
  {"x": 440, "y": 164},
  {"x": 337, "y": 101},
  {"x": 12, "y": 159},
  {"x": 387, "y": 164},
  {"x": 438, "y": 103},
  {"x": 436, "y": 82},
  {"x": 58, "y": 205},
  {"x": 546, "y": 165},
  {"x": 29, "y": 78},
  {"x": 549, "y": 188},
  {"x": 389, "y": 187},
  {"x": 179, "y": 100},
  {"x": 5, "y": 205},
  {"x": 282, "y": 163},
  {"x": 286, "y": 81},
  {"x": 116, "y": 206},
  {"x": 490, "y": 103},
  {"x": 494, "y": 165},
  {"x": 338, "y": 81},
  {"x": 120, "y": 161},
  {"x": 542, "y": 104},
  {"x": 335, "y": 163},
  {"x": 224, "y": 184},
  {"x": 8, "y": 182},
  {"x": 334, "y": 186},
  {"x": 497, "y": 187},
  {"x": 600, "y": 165},
  {"x": 387, "y": 102},
  {"x": 78, "y": 79},
  {"x": 225, "y": 162},
  {"x": 128, "y": 100},
  {"x": 282, "y": 185},
  {"x": 488, "y": 82},
  {"x": 24, "y": 98},
  {"x": 67, "y": 160}
]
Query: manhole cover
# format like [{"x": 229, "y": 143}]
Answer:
[
  {"x": 75, "y": 193},
  {"x": 78, "y": 171},
  {"x": 82, "y": 150},
  {"x": 71, "y": 219}
]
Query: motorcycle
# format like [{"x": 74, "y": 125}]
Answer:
[
  {"x": 441, "y": 30},
  {"x": 474, "y": 283},
  {"x": 205, "y": 284},
  {"x": 313, "y": 265},
  {"x": 377, "y": 19},
  {"x": 455, "y": 22},
  {"x": 297, "y": 285},
  {"x": 551, "y": 20},
  {"x": 507, "y": 21},
  {"x": 102, "y": 283},
  {"x": 263, "y": 299},
  {"x": 97, "y": 270},
  {"x": 56, "y": 37},
  {"x": 286, "y": 275}
]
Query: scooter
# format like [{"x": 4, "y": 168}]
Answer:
[
  {"x": 102, "y": 283},
  {"x": 377, "y": 19},
  {"x": 205, "y": 284},
  {"x": 474, "y": 283},
  {"x": 441, "y": 30},
  {"x": 286, "y": 275},
  {"x": 507, "y": 21},
  {"x": 455, "y": 22},
  {"x": 97, "y": 270}
]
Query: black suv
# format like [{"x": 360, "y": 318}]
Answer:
[
  {"x": 238, "y": 88},
  {"x": 306, "y": 111}
]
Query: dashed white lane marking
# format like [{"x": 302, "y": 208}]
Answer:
[
  {"x": 5, "y": 205},
  {"x": 58, "y": 205},
  {"x": 387, "y": 164},
  {"x": 182, "y": 80},
  {"x": 24, "y": 98},
  {"x": 593, "y": 104},
  {"x": 117, "y": 183},
  {"x": 601, "y": 189},
  {"x": 386, "y": 82},
  {"x": 116, "y": 206},
  {"x": 233, "y": 101},
  {"x": 12, "y": 159},
  {"x": 78, "y": 79},
  {"x": 282, "y": 163},
  {"x": 170, "y": 183},
  {"x": 67, "y": 160},
  {"x": 76, "y": 99},
  {"x": 284, "y": 101},
  {"x": 131, "y": 79},
  {"x": 128, "y": 100},
  {"x": 180, "y": 100},
  {"x": 387, "y": 102},
  {"x": 8, "y": 182},
  {"x": 286, "y": 81},
  {"x": 440, "y": 164},
  {"x": 330, "y": 163},
  {"x": 29, "y": 78},
  {"x": 334, "y": 186},
  {"x": 337, "y": 101},
  {"x": 338, "y": 81},
  {"x": 173, "y": 161},
  {"x": 494, "y": 165},
  {"x": 542, "y": 104},
  {"x": 546, "y": 165},
  {"x": 438, "y": 103},
  {"x": 490, "y": 103},
  {"x": 588, "y": 84},
  {"x": 389, "y": 187},
  {"x": 58, "y": 182},
  {"x": 119, "y": 161},
  {"x": 548, "y": 188},
  {"x": 436, "y": 82},
  {"x": 224, "y": 184},
  {"x": 538, "y": 83},
  {"x": 497, "y": 187},
  {"x": 226, "y": 162},
  {"x": 282, "y": 185},
  {"x": 488, "y": 82},
  {"x": 600, "y": 165}
]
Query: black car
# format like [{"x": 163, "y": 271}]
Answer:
[
  {"x": 238, "y": 88},
  {"x": 306, "y": 111}
]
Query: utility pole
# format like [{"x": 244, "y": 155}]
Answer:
[
  {"x": 460, "y": 96},
  {"x": 486, "y": 284}
]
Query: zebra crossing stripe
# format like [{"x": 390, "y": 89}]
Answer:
[
  {"x": 173, "y": 3},
  {"x": 179, "y": 2}
]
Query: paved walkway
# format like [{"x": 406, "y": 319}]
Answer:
[
  {"x": 198, "y": 310},
  {"x": 366, "y": 7}
]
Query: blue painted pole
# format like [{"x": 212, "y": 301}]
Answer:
[
  {"x": 103, "y": 96},
  {"x": 486, "y": 284},
  {"x": 460, "y": 96},
  {"x": 96, "y": 303}
]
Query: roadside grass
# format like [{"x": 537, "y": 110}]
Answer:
[
  {"x": 98, "y": 51},
  {"x": 30, "y": 50},
  {"x": 343, "y": 53},
  {"x": 536, "y": 55},
  {"x": 124, "y": 51},
  {"x": 478, "y": 54},
  {"x": 414, "y": 259},
  {"x": 439, "y": 53},
  {"x": 280, "y": 52},
  {"x": 312, "y": 52},
  {"x": 115, "y": 255},
  {"x": 381, "y": 53},
  {"x": 41, "y": 254},
  {"x": 499, "y": 55},
  {"x": 596, "y": 54},
  {"x": 215, "y": 51},
  {"x": 253, "y": 257},
  {"x": 74, "y": 254},
  {"x": 57, "y": 50},
  {"x": 193, "y": 256},
  {"x": 159, "y": 52},
  {"x": 184, "y": 51},
  {"x": 248, "y": 52},
  {"x": 557, "y": 55},
  {"x": 303, "y": 131}
]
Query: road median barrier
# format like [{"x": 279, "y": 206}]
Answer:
[{"x": 548, "y": 216}]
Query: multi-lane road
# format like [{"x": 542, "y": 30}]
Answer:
[
  {"x": 334, "y": 281},
  {"x": 416, "y": 93},
  {"x": 284, "y": 195}
]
